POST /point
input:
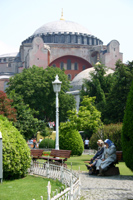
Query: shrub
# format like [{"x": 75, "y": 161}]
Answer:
[
  {"x": 71, "y": 140},
  {"x": 112, "y": 132},
  {"x": 16, "y": 153},
  {"x": 127, "y": 131},
  {"x": 47, "y": 143},
  {"x": 94, "y": 138}
]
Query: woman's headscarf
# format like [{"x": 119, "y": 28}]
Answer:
[{"x": 109, "y": 142}]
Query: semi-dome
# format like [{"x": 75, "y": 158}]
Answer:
[
  {"x": 79, "y": 79},
  {"x": 62, "y": 26}
]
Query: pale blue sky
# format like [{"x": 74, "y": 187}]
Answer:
[{"x": 106, "y": 19}]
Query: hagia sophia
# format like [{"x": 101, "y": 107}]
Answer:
[{"x": 63, "y": 44}]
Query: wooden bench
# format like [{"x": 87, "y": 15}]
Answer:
[
  {"x": 36, "y": 153},
  {"x": 112, "y": 169},
  {"x": 58, "y": 155}
]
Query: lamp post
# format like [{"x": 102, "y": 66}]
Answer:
[{"x": 57, "y": 88}]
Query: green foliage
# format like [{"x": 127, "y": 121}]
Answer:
[
  {"x": 110, "y": 90},
  {"x": 88, "y": 117},
  {"x": 99, "y": 86},
  {"x": 16, "y": 153},
  {"x": 70, "y": 140},
  {"x": 47, "y": 132},
  {"x": 94, "y": 138},
  {"x": 112, "y": 132},
  {"x": 47, "y": 143},
  {"x": 35, "y": 87},
  {"x": 26, "y": 123},
  {"x": 127, "y": 131},
  {"x": 117, "y": 97}
]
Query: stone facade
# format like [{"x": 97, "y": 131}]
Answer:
[{"x": 60, "y": 44}]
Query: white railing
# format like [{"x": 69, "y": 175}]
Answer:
[{"x": 67, "y": 177}]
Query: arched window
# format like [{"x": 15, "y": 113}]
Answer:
[
  {"x": 56, "y": 39},
  {"x": 9, "y": 64},
  {"x": 68, "y": 64},
  {"x": 69, "y": 76},
  {"x": 54, "y": 65},
  {"x": 62, "y": 39},
  {"x": 75, "y": 66},
  {"x": 61, "y": 65},
  {"x": 83, "y": 67}
]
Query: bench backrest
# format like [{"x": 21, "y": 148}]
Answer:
[
  {"x": 60, "y": 153},
  {"x": 36, "y": 152}
]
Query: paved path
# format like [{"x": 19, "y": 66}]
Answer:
[{"x": 107, "y": 188}]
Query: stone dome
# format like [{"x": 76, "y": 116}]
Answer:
[
  {"x": 85, "y": 74},
  {"x": 62, "y": 26}
]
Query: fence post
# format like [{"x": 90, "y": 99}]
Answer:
[
  {"x": 31, "y": 167},
  {"x": 71, "y": 188},
  {"x": 79, "y": 193},
  {"x": 71, "y": 166},
  {"x": 47, "y": 169},
  {"x": 62, "y": 174},
  {"x": 1, "y": 160},
  {"x": 48, "y": 190}
]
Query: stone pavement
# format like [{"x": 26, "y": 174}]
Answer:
[{"x": 107, "y": 188}]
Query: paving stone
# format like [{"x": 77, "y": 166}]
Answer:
[{"x": 108, "y": 188}]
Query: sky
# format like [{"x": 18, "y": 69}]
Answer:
[{"x": 105, "y": 19}]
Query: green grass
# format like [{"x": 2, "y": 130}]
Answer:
[
  {"x": 32, "y": 187},
  {"x": 28, "y": 188},
  {"x": 78, "y": 161}
]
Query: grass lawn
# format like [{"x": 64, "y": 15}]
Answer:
[
  {"x": 78, "y": 161},
  {"x": 28, "y": 188},
  {"x": 32, "y": 187}
]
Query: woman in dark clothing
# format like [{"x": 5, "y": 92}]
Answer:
[{"x": 97, "y": 156}]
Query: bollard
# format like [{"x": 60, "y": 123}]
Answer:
[{"x": 1, "y": 160}]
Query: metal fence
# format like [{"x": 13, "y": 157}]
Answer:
[{"x": 67, "y": 177}]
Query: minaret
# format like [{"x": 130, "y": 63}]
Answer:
[{"x": 62, "y": 18}]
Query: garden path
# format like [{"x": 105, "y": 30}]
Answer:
[{"x": 106, "y": 188}]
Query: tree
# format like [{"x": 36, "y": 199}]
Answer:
[
  {"x": 111, "y": 90},
  {"x": 35, "y": 87},
  {"x": 99, "y": 86},
  {"x": 6, "y": 108},
  {"x": 127, "y": 131},
  {"x": 87, "y": 119},
  {"x": 25, "y": 122},
  {"x": 117, "y": 97}
]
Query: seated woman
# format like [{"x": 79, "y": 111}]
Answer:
[
  {"x": 97, "y": 156},
  {"x": 108, "y": 157}
]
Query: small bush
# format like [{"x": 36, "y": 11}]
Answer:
[
  {"x": 71, "y": 140},
  {"x": 94, "y": 138},
  {"x": 112, "y": 132},
  {"x": 16, "y": 153},
  {"x": 47, "y": 143}
]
